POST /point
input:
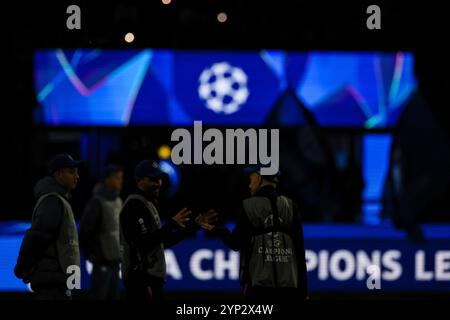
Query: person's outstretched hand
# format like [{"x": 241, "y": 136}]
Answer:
[
  {"x": 207, "y": 219},
  {"x": 182, "y": 217},
  {"x": 207, "y": 226}
]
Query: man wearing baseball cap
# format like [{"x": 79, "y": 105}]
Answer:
[
  {"x": 269, "y": 236},
  {"x": 144, "y": 239},
  {"x": 50, "y": 246}
]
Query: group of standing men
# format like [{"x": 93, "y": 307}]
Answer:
[{"x": 129, "y": 237}]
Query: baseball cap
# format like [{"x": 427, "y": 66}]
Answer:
[
  {"x": 148, "y": 168},
  {"x": 62, "y": 160}
]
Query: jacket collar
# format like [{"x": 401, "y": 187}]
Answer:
[{"x": 266, "y": 191}]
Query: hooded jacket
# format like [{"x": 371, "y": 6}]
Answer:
[{"x": 38, "y": 256}]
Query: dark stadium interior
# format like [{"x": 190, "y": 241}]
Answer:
[{"x": 322, "y": 166}]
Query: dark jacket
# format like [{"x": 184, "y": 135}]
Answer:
[
  {"x": 239, "y": 239},
  {"x": 142, "y": 240},
  {"x": 91, "y": 223},
  {"x": 37, "y": 255}
]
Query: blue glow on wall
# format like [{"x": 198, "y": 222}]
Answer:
[{"x": 376, "y": 152}]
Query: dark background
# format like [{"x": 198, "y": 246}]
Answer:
[{"x": 290, "y": 25}]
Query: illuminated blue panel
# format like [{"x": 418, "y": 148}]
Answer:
[
  {"x": 103, "y": 93},
  {"x": 376, "y": 152},
  {"x": 225, "y": 87},
  {"x": 9, "y": 246},
  {"x": 354, "y": 89},
  {"x": 337, "y": 257},
  {"x": 174, "y": 87}
]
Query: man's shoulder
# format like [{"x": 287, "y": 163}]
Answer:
[
  {"x": 286, "y": 198},
  {"x": 134, "y": 206},
  {"x": 51, "y": 199},
  {"x": 48, "y": 212},
  {"x": 131, "y": 202},
  {"x": 135, "y": 198}
]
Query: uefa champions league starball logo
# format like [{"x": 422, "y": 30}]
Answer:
[{"x": 223, "y": 88}]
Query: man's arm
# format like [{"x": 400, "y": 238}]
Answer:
[
  {"x": 191, "y": 228},
  {"x": 89, "y": 225},
  {"x": 136, "y": 228},
  {"x": 43, "y": 232},
  {"x": 239, "y": 236},
  {"x": 175, "y": 237}
]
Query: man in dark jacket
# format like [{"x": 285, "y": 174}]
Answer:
[
  {"x": 144, "y": 239},
  {"x": 269, "y": 236},
  {"x": 99, "y": 234},
  {"x": 50, "y": 246}
]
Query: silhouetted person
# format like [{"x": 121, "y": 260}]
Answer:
[
  {"x": 144, "y": 238},
  {"x": 100, "y": 237},
  {"x": 50, "y": 246},
  {"x": 269, "y": 236}
]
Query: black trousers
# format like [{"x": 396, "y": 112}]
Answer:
[
  {"x": 53, "y": 293},
  {"x": 105, "y": 282},
  {"x": 144, "y": 288}
]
